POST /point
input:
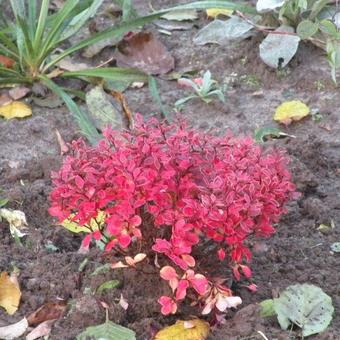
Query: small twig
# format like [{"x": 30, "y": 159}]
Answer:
[
  {"x": 263, "y": 28},
  {"x": 263, "y": 336},
  {"x": 317, "y": 245},
  {"x": 106, "y": 62}
]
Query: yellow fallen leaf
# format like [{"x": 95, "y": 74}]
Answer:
[
  {"x": 9, "y": 292},
  {"x": 215, "y": 12},
  {"x": 289, "y": 111},
  {"x": 185, "y": 330},
  {"x": 15, "y": 110}
]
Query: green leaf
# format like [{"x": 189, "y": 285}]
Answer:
[
  {"x": 59, "y": 24},
  {"x": 3, "y": 202},
  {"x": 108, "y": 285},
  {"x": 317, "y": 7},
  {"x": 80, "y": 19},
  {"x": 101, "y": 269},
  {"x": 107, "y": 331},
  {"x": 333, "y": 56},
  {"x": 267, "y": 308},
  {"x": 85, "y": 124},
  {"x": 264, "y": 132},
  {"x": 128, "y": 11},
  {"x": 156, "y": 96},
  {"x": 328, "y": 27},
  {"x": 306, "y": 306},
  {"x": 41, "y": 26},
  {"x": 110, "y": 73},
  {"x": 335, "y": 246},
  {"x": 307, "y": 29}
]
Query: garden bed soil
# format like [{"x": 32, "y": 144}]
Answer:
[{"x": 297, "y": 253}]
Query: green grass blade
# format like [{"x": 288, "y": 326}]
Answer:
[
  {"x": 27, "y": 41},
  {"x": 57, "y": 28},
  {"x": 8, "y": 44},
  {"x": 41, "y": 25},
  {"x": 133, "y": 24},
  {"x": 9, "y": 72},
  {"x": 156, "y": 96},
  {"x": 7, "y": 52},
  {"x": 80, "y": 19},
  {"x": 84, "y": 122},
  {"x": 32, "y": 16},
  {"x": 110, "y": 73},
  {"x": 18, "y": 8}
]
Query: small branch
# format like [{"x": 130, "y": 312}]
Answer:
[{"x": 263, "y": 28}]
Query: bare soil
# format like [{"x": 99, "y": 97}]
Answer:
[{"x": 297, "y": 253}]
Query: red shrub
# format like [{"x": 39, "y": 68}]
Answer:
[{"x": 194, "y": 185}]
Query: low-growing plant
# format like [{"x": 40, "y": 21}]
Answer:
[
  {"x": 172, "y": 188},
  {"x": 33, "y": 44},
  {"x": 204, "y": 88}
]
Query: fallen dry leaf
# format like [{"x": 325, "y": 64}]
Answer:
[
  {"x": 289, "y": 111},
  {"x": 70, "y": 65},
  {"x": 9, "y": 292},
  {"x": 125, "y": 107},
  {"x": 14, "y": 331},
  {"x": 215, "y": 12},
  {"x": 16, "y": 219},
  {"x": 63, "y": 146},
  {"x": 15, "y": 110},
  {"x": 118, "y": 264},
  {"x": 5, "y": 99},
  {"x": 48, "y": 311},
  {"x": 42, "y": 330},
  {"x": 123, "y": 303},
  {"x": 185, "y": 330},
  {"x": 145, "y": 52},
  {"x": 18, "y": 92},
  {"x": 6, "y": 62}
]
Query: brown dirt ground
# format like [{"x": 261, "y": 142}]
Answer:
[{"x": 297, "y": 253}]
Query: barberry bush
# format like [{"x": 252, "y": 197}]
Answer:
[{"x": 182, "y": 187}]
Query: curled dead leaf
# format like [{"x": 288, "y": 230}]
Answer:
[{"x": 48, "y": 311}]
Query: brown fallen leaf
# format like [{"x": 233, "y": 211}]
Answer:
[
  {"x": 42, "y": 330},
  {"x": 5, "y": 99},
  {"x": 120, "y": 97},
  {"x": 9, "y": 292},
  {"x": 18, "y": 92},
  {"x": 63, "y": 146},
  {"x": 145, "y": 52},
  {"x": 48, "y": 311},
  {"x": 6, "y": 62},
  {"x": 14, "y": 331}
]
